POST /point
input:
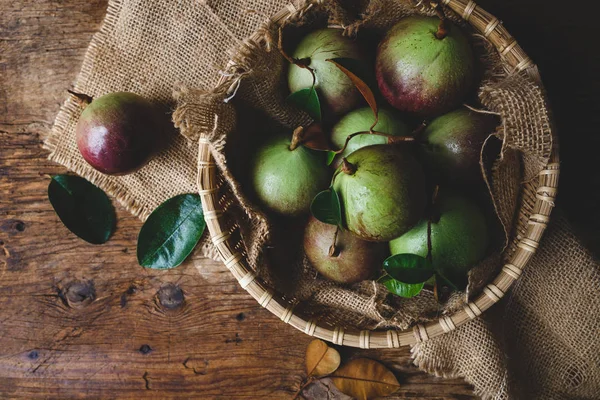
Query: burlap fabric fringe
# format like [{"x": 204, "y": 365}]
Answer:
[{"x": 155, "y": 47}]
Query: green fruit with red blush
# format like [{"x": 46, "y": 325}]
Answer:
[
  {"x": 452, "y": 146},
  {"x": 336, "y": 92},
  {"x": 381, "y": 190},
  {"x": 424, "y": 66},
  {"x": 117, "y": 133}
]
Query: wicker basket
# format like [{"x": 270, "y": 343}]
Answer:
[{"x": 512, "y": 54}]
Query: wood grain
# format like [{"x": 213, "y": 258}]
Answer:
[{"x": 85, "y": 321}]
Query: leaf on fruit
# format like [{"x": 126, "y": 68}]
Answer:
[
  {"x": 401, "y": 289},
  {"x": 442, "y": 287},
  {"x": 354, "y": 69},
  {"x": 326, "y": 207},
  {"x": 441, "y": 280},
  {"x": 171, "y": 232},
  {"x": 363, "y": 379},
  {"x": 314, "y": 137},
  {"x": 321, "y": 359},
  {"x": 82, "y": 207},
  {"x": 330, "y": 157},
  {"x": 307, "y": 100},
  {"x": 408, "y": 268}
]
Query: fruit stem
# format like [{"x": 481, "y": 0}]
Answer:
[
  {"x": 399, "y": 139},
  {"x": 391, "y": 138},
  {"x": 348, "y": 168},
  {"x": 435, "y": 211},
  {"x": 84, "y": 99},
  {"x": 434, "y": 217},
  {"x": 334, "y": 251},
  {"x": 442, "y": 30},
  {"x": 302, "y": 62},
  {"x": 297, "y": 137},
  {"x": 280, "y": 46},
  {"x": 429, "y": 245},
  {"x": 419, "y": 130}
]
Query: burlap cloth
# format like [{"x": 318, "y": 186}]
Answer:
[{"x": 539, "y": 343}]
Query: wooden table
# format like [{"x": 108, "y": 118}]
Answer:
[{"x": 78, "y": 320}]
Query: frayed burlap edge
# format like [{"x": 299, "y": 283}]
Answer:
[{"x": 72, "y": 106}]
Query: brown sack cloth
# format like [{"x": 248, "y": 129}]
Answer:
[{"x": 540, "y": 343}]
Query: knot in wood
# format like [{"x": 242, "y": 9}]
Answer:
[
  {"x": 20, "y": 226},
  {"x": 79, "y": 294},
  {"x": 145, "y": 349},
  {"x": 170, "y": 296}
]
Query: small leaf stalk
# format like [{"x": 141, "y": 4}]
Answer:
[{"x": 297, "y": 137}]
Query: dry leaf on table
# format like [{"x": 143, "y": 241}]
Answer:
[
  {"x": 363, "y": 379},
  {"x": 323, "y": 389},
  {"x": 321, "y": 359}
]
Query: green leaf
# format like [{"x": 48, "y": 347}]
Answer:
[
  {"x": 401, "y": 289},
  {"x": 82, "y": 207},
  {"x": 171, "y": 232},
  {"x": 443, "y": 281},
  {"x": 326, "y": 207},
  {"x": 308, "y": 100},
  {"x": 408, "y": 268},
  {"x": 330, "y": 157}
]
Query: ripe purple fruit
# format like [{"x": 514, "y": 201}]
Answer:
[
  {"x": 341, "y": 256},
  {"x": 422, "y": 70},
  {"x": 116, "y": 133},
  {"x": 452, "y": 145}
]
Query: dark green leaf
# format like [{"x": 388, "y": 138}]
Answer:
[
  {"x": 82, "y": 207},
  {"x": 443, "y": 281},
  {"x": 399, "y": 288},
  {"x": 308, "y": 100},
  {"x": 171, "y": 232},
  {"x": 330, "y": 157},
  {"x": 326, "y": 207},
  {"x": 408, "y": 268}
]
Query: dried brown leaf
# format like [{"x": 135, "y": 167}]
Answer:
[
  {"x": 363, "y": 88},
  {"x": 323, "y": 389},
  {"x": 363, "y": 379},
  {"x": 315, "y": 138},
  {"x": 321, "y": 359}
]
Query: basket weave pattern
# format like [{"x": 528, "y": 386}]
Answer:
[{"x": 543, "y": 189}]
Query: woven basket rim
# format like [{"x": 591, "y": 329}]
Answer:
[{"x": 510, "y": 51}]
